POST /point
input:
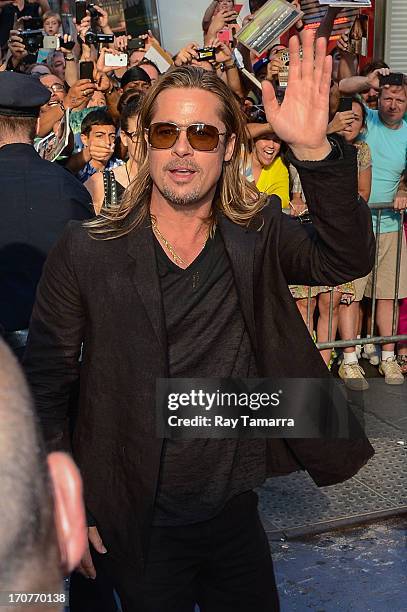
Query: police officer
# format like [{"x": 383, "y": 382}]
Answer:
[{"x": 37, "y": 199}]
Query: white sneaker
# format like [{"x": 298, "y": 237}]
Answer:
[
  {"x": 391, "y": 371},
  {"x": 358, "y": 350},
  {"x": 370, "y": 353},
  {"x": 353, "y": 376}
]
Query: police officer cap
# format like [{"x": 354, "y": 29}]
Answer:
[{"x": 21, "y": 95}]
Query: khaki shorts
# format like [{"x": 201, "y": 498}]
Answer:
[{"x": 386, "y": 271}]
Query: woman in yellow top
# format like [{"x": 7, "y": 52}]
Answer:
[{"x": 266, "y": 167}]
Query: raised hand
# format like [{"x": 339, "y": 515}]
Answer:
[
  {"x": 374, "y": 78},
  {"x": 103, "y": 19},
  {"x": 302, "y": 119},
  {"x": 79, "y": 94},
  {"x": 341, "y": 121},
  {"x": 121, "y": 42},
  {"x": 187, "y": 54},
  {"x": 16, "y": 47}
]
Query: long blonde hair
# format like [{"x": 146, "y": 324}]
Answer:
[{"x": 236, "y": 197}]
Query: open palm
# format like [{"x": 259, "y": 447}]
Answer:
[{"x": 302, "y": 119}]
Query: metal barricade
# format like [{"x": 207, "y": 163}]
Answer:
[{"x": 371, "y": 339}]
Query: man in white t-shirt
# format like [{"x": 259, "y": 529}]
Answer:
[{"x": 386, "y": 136}]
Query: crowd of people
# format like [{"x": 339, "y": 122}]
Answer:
[
  {"x": 82, "y": 138},
  {"x": 85, "y": 127}
]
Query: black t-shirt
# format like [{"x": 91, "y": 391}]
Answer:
[
  {"x": 10, "y": 13},
  {"x": 207, "y": 337}
]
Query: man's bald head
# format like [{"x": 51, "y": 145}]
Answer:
[
  {"x": 28, "y": 542},
  {"x": 42, "y": 517}
]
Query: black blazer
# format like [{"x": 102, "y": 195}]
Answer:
[
  {"x": 38, "y": 198},
  {"x": 107, "y": 294}
]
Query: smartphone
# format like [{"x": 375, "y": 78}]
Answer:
[
  {"x": 136, "y": 43},
  {"x": 80, "y": 10},
  {"x": 225, "y": 36},
  {"x": 394, "y": 78},
  {"x": 116, "y": 61},
  {"x": 345, "y": 104},
  {"x": 206, "y": 54},
  {"x": 86, "y": 70}
]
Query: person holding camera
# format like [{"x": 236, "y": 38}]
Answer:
[
  {"x": 219, "y": 15},
  {"x": 14, "y": 10}
]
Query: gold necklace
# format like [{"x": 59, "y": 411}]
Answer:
[{"x": 169, "y": 246}]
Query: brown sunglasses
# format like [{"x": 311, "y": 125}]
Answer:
[{"x": 201, "y": 136}]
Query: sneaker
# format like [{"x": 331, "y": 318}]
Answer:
[
  {"x": 370, "y": 353},
  {"x": 353, "y": 376},
  {"x": 358, "y": 351},
  {"x": 391, "y": 371},
  {"x": 402, "y": 361}
]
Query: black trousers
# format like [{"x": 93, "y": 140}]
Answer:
[{"x": 223, "y": 564}]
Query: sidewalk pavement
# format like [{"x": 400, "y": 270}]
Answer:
[
  {"x": 362, "y": 565},
  {"x": 354, "y": 569}
]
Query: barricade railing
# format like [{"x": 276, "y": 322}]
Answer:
[{"x": 371, "y": 338}]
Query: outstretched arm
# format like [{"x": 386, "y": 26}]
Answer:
[
  {"x": 329, "y": 251},
  {"x": 360, "y": 84}
]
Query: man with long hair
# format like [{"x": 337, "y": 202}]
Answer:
[{"x": 188, "y": 278}]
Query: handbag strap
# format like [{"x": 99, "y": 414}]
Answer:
[{"x": 110, "y": 189}]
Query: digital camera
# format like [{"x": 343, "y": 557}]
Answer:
[
  {"x": 206, "y": 54},
  {"x": 32, "y": 40},
  {"x": 94, "y": 38}
]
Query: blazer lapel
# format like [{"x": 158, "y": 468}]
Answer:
[
  {"x": 145, "y": 278},
  {"x": 240, "y": 244}
]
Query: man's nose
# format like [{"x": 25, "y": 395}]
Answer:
[{"x": 182, "y": 146}]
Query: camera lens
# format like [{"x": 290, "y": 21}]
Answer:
[{"x": 90, "y": 38}]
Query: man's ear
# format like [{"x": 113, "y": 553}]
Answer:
[
  {"x": 230, "y": 147},
  {"x": 85, "y": 140},
  {"x": 69, "y": 509}
]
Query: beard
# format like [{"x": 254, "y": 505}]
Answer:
[
  {"x": 180, "y": 201},
  {"x": 183, "y": 200}
]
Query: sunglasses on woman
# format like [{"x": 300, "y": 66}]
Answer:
[{"x": 201, "y": 136}]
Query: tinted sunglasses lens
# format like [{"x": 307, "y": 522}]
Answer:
[
  {"x": 162, "y": 135},
  {"x": 203, "y": 137}
]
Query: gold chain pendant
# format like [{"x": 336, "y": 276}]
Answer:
[{"x": 169, "y": 246}]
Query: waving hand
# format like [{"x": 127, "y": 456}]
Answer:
[{"x": 302, "y": 119}]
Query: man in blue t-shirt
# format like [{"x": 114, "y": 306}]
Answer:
[{"x": 386, "y": 136}]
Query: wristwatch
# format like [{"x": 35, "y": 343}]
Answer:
[
  {"x": 229, "y": 65},
  {"x": 70, "y": 57}
]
